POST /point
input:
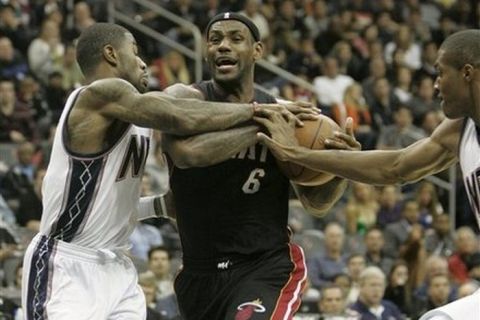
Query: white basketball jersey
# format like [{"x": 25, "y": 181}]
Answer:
[
  {"x": 469, "y": 155},
  {"x": 92, "y": 201}
]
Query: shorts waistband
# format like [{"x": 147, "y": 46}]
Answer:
[{"x": 100, "y": 256}]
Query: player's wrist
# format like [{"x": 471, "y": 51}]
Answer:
[{"x": 160, "y": 207}]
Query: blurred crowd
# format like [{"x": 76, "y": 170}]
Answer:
[{"x": 389, "y": 251}]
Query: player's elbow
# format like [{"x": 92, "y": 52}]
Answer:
[
  {"x": 189, "y": 157},
  {"x": 317, "y": 210}
]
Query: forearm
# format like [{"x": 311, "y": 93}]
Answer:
[
  {"x": 372, "y": 167},
  {"x": 209, "y": 148},
  {"x": 319, "y": 199},
  {"x": 191, "y": 116}
]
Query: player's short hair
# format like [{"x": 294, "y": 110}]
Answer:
[
  {"x": 462, "y": 48},
  {"x": 93, "y": 39}
]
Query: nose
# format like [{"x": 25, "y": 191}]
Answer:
[
  {"x": 224, "y": 45},
  {"x": 142, "y": 64}
]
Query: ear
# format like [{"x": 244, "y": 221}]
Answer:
[
  {"x": 468, "y": 70},
  {"x": 110, "y": 55},
  {"x": 257, "y": 50}
]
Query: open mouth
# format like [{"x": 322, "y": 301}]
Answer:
[{"x": 225, "y": 63}]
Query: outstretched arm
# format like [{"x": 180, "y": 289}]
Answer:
[
  {"x": 425, "y": 157},
  {"x": 118, "y": 99}
]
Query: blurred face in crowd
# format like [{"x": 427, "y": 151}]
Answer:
[
  {"x": 411, "y": 211},
  {"x": 7, "y": 93},
  {"x": 159, "y": 263},
  {"x": 388, "y": 196},
  {"x": 441, "y": 224},
  {"x": 25, "y": 153},
  {"x": 436, "y": 265},
  {"x": 399, "y": 275},
  {"x": 331, "y": 67},
  {"x": 425, "y": 89},
  {"x": 466, "y": 241},
  {"x": 377, "y": 68},
  {"x": 374, "y": 241},
  {"x": 371, "y": 290},
  {"x": 332, "y": 302},
  {"x": 439, "y": 289},
  {"x": 355, "y": 266},
  {"x": 403, "y": 117},
  {"x": 334, "y": 236},
  {"x": 6, "y": 49},
  {"x": 381, "y": 88}
]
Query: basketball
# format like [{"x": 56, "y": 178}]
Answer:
[{"x": 312, "y": 135}]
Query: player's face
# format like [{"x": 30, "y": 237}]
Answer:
[
  {"x": 231, "y": 51},
  {"x": 452, "y": 88},
  {"x": 131, "y": 66}
]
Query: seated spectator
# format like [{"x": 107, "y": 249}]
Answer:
[
  {"x": 434, "y": 265},
  {"x": 348, "y": 63},
  {"x": 11, "y": 27},
  {"x": 390, "y": 206},
  {"x": 370, "y": 304},
  {"x": 322, "y": 269},
  {"x": 405, "y": 41},
  {"x": 355, "y": 265},
  {"x": 146, "y": 281},
  {"x": 305, "y": 61},
  {"x": 72, "y": 76},
  {"x": 413, "y": 252},
  {"x": 396, "y": 234},
  {"x": 30, "y": 209},
  {"x": 16, "y": 119},
  {"x": 403, "y": 86},
  {"x": 377, "y": 70},
  {"x": 383, "y": 103},
  {"x": 330, "y": 87},
  {"x": 398, "y": 290},
  {"x": 429, "y": 56},
  {"x": 251, "y": 9},
  {"x": 354, "y": 106},
  {"x": 465, "y": 246},
  {"x": 55, "y": 95},
  {"x": 12, "y": 63},
  {"x": 45, "y": 53},
  {"x": 19, "y": 178},
  {"x": 430, "y": 121},
  {"x": 82, "y": 19},
  {"x": 473, "y": 267},
  {"x": 361, "y": 209},
  {"x": 438, "y": 240},
  {"x": 375, "y": 254},
  {"x": 169, "y": 70},
  {"x": 159, "y": 264},
  {"x": 437, "y": 294},
  {"x": 402, "y": 133},
  {"x": 424, "y": 99},
  {"x": 426, "y": 195},
  {"x": 332, "y": 305}
]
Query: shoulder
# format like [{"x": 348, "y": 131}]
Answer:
[
  {"x": 107, "y": 90},
  {"x": 180, "y": 90}
]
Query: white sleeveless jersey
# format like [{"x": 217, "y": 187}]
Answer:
[
  {"x": 469, "y": 155},
  {"x": 92, "y": 201}
]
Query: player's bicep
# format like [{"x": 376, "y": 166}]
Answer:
[
  {"x": 423, "y": 158},
  {"x": 180, "y": 90}
]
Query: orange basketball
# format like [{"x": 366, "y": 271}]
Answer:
[{"x": 312, "y": 135}]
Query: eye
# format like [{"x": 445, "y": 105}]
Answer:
[{"x": 214, "y": 40}]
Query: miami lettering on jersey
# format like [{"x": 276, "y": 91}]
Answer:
[
  {"x": 255, "y": 152},
  {"x": 135, "y": 157}
]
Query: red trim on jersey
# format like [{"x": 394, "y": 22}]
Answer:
[{"x": 289, "y": 300}]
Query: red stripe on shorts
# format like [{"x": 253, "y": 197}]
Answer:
[{"x": 289, "y": 300}]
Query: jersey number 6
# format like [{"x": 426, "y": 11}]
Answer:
[{"x": 253, "y": 182}]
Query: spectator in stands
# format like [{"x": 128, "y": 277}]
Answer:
[
  {"x": 55, "y": 95},
  {"x": 332, "y": 305},
  {"x": 370, "y": 304},
  {"x": 330, "y": 87},
  {"x": 170, "y": 69},
  {"x": 437, "y": 294},
  {"x": 354, "y": 105},
  {"x": 403, "y": 84},
  {"x": 404, "y": 40},
  {"x": 159, "y": 263},
  {"x": 413, "y": 252},
  {"x": 82, "y": 19},
  {"x": 390, "y": 201},
  {"x": 473, "y": 267},
  {"x": 287, "y": 26},
  {"x": 30, "y": 208},
  {"x": 361, "y": 209},
  {"x": 438, "y": 240},
  {"x": 398, "y": 290},
  {"x": 374, "y": 254},
  {"x": 426, "y": 196},
  {"x": 19, "y": 178},
  {"x": 467, "y": 289},
  {"x": 396, "y": 234},
  {"x": 429, "y": 55},
  {"x": 424, "y": 99},
  {"x": 305, "y": 61},
  {"x": 207, "y": 11},
  {"x": 323, "y": 268},
  {"x": 251, "y": 9},
  {"x": 348, "y": 63},
  {"x": 316, "y": 22},
  {"x": 45, "y": 53},
  {"x": 16, "y": 119},
  {"x": 12, "y": 63},
  {"x": 466, "y": 245},
  {"x": 434, "y": 265},
  {"x": 355, "y": 265},
  {"x": 383, "y": 104},
  {"x": 400, "y": 134},
  {"x": 71, "y": 73},
  {"x": 430, "y": 120},
  {"x": 11, "y": 27},
  {"x": 377, "y": 70},
  {"x": 146, "y": 281}
]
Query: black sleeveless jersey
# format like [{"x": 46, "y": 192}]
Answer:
[{"x": 237, "y": 207}]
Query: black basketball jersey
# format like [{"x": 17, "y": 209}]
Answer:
[{"x": 237, "y": 207}]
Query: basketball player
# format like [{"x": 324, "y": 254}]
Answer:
[
  {"x": 76, "y": 267},
  {"x": 231, "y": 198},
  {"x": 456, "y": 139}
]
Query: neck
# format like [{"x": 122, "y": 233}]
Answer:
[
  {"x": 101, "y": 72},
  {"x": 475, "y": 94},
  {"x": 242, "y": 91}
]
